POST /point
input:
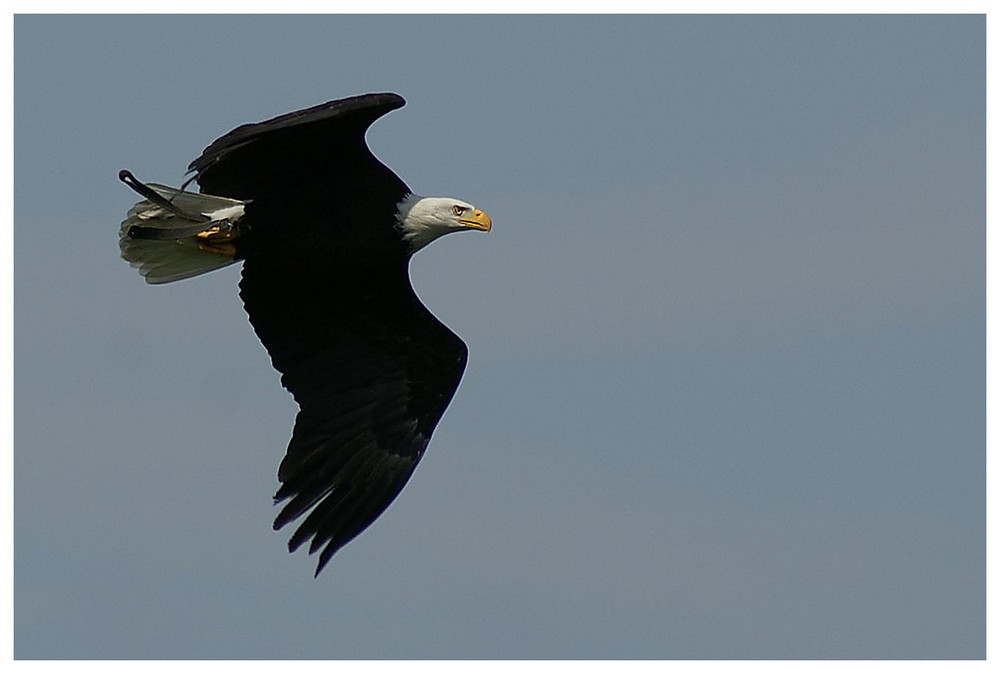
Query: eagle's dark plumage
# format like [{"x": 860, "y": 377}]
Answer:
[{"x": 325, "y": 233}]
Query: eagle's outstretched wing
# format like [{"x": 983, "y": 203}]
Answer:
[
  {"x": 372, "y": 374},
  {"x": 325, "y": 141}
]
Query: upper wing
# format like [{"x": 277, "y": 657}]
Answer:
[
  {"x": 326, "y": 140},
  {"x": 372, "y": 374}
]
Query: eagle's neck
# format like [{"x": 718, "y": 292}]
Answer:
[{"x": 417, "y": 230}]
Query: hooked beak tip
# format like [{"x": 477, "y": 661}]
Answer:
[{"x": 479, "y": 220}]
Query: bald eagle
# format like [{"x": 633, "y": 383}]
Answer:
[{"x": 325, "y": 233}]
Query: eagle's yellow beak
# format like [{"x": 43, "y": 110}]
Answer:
[{"x": 478, "y": 220}]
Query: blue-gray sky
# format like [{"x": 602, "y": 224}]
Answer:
[{"x": 726, "y": 392}]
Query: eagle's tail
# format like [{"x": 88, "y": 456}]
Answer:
[{"x": 173, "y": 234}]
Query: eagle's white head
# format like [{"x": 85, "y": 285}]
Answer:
[{"x": 423, "y": 219}]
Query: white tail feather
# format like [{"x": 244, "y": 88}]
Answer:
[{"x": 165, "y": 258}]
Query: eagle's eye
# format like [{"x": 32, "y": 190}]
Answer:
[{"x": 458, "y": 210}]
